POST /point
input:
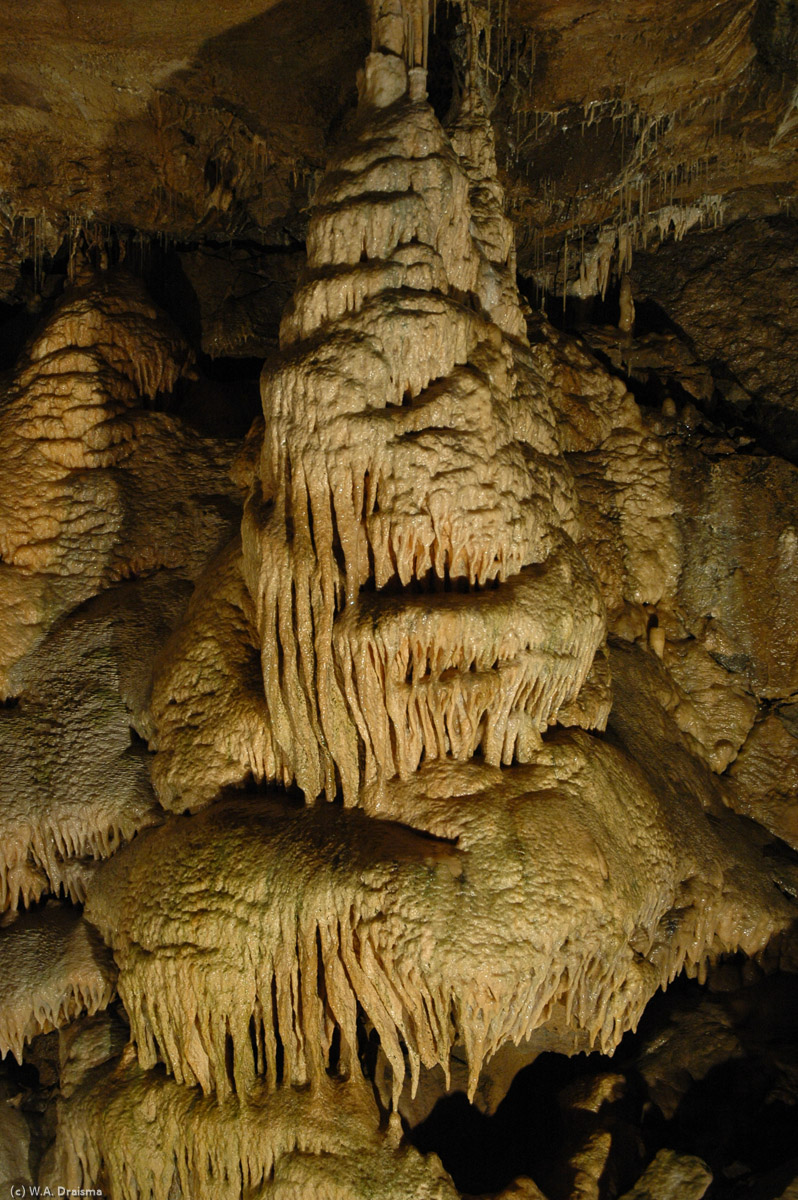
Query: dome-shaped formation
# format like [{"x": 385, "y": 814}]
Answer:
[{"x": 251, "y": 936}]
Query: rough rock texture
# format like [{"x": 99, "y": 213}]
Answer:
[
  {"x": 207, "y": 703},
  {"x": 99, "y": 489},
  {"x": 75, "y": 776},
  {"x": 86, "y": 501},
  {"x": 54, "y": 968},
  {"x": 765, "y": 775},
  {"x": 408, "y": 449},
  {"x": 735, "y": 589},
  {"x": 14, "y": 1146},
  {"x": 369, "y": 908},
  {"x": 672, "y": 1176},
  {"x": 667, "y": 512},
  {"x": 144, "y": 1136},
  {"x": 238, "y": 297},
  {"x": 162, "y": 124},
  {"x": 733, "y": 293},
  {"x": 509, "y": 600},
  {"x": 86, "y": 1044}
]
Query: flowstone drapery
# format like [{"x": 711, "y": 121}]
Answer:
[{"x": 461, "y": 560}]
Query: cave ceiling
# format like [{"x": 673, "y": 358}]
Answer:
[{"x": 619, "y": 123}]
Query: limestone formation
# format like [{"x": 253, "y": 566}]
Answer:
[
  {"x": 147, "y": 1137},
  {"x": 74, "y": 787},
  {"x": 355, "y": 913},
  {"x": 99, "y": 490},
  {"x": 672, "y": 1176},
  {"x": 764, "y": 776},
  {"x": 409, "y": 451},
  {"x": 733, "y": 295},
  {"x": 14, "y": 1147},
  {"x": 445, "y": 718},
  {"x": 53, "y": 969},
  {"x": 207, "y": 703},
  {"x": 86, "y": 501}
]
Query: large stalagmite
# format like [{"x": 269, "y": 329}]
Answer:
[
  {"x": 455, "y": 526},
  {"x": 405, "y": 451},
  {"x": 408, "y": 542}
]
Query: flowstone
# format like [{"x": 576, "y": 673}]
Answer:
[
  {"x": 249, "y": 937},
  {"x": 159, "y": 1140},
  {"x": 408, "y": 540},
  {"x": 460, "y": 628},
  {"x": 53, "y": 968}
]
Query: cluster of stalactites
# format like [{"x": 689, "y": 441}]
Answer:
[
  {"x": 52, "y": 970},
  {"x": 352, "y": 916},
  {"x": 148, "y": 1138},
  {"x": 401, "y": 27}
]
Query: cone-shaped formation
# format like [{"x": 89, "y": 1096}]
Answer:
[
  {"x": 143, "y": 1137},
  {"x": 407, "y": 612},
  {"x": 571, "y": 892},
  {"x": 406, "y": 453},
  {"x": 52, "y": 969}
]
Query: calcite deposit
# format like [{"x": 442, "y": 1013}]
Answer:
[
  {"x": 415, "y": 741},
  {"x": 521, "y": 905},
  {"x": 276, "y": 1145},
  {"x": 54, "y": 968},
  {"x": 100, "y": 489},
  {"x": 408, "y": 539}
]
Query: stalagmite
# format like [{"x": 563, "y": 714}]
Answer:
[
  {"x": 83, "y": 453},
  {"x": 672, "y": 1176},
  {"x": 475, "y": 629},
  {"x": 408, "y": 451}
]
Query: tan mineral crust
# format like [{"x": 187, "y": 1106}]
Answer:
[
  {"x": 410, "y": 460},
  {"x": 99, "y": 489},
  {"x": 526, "y": 905},
  {"x": 324, "y": 1142},
  {"x": 86, "y": 500},
  {"x": 469, "y": 732},
  {"x": 54, "y": 968}
]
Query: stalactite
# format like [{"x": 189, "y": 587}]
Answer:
[
  {"x": 414, "y": 621},
  {"x": 52, "y": 969},
  {"x": 381, "y": 358},
  {"x": 329, "y": 912},
  {"x": 147, "y": 1138}
]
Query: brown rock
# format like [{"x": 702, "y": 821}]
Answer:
[
  {"x": 765, "y": 777},
  {"x": 672, "y": 1176}
]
